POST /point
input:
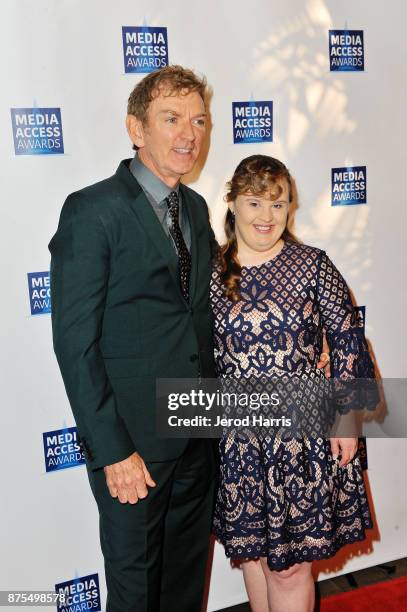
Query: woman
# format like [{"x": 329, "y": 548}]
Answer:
[{"x": 282, "y": 504}]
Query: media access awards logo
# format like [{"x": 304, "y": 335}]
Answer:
[
  {"x": 79, "y": 594},
  {"x": 346, "y": 50},
  {"x": 349, "y": 186},
  {"x": 360, "y": 312},
  {"x": 62, "y": 449},
  {"x": 145, "y": 49},
  {"x": 362, "y": 452},
  {"x": 39, "y": 291},
  {"x": 37, "y": 131},
  {"x": 252, "y": 121}
]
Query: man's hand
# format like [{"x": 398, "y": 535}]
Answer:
[
  {"x": 128, "y": 479},
  {"x": 346, "y": 447},
  {"x": 324, "y": 359}
]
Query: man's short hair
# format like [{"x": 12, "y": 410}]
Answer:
[{"x": 172, "y": 80}]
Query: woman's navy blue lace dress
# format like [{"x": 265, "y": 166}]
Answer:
[{"x": 288, "y": 500}]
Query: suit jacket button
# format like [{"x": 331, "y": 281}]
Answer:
[{"x": 193, "y": 357}]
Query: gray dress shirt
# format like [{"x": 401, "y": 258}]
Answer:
[{"x": 156, "y": 191}]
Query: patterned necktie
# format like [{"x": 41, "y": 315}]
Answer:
[{"x": 184, "y": 257}]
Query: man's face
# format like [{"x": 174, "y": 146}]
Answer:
[{"x": 171, "y": 138}]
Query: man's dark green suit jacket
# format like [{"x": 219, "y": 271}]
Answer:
[{"x": 119, "y": 318}]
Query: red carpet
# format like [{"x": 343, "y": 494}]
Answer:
[{"x": 389, "y": 596}]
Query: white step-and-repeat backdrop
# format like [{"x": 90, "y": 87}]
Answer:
[{"x": 319, "y": 84}]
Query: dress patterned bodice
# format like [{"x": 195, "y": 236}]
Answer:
[{"x": 276, "y": 327}]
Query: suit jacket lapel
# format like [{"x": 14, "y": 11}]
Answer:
[
  {"x": 190, "y": 210},
  {"x": 150, "y": 223}
]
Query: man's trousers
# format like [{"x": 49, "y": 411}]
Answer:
[{"x": 156, "y": 551}]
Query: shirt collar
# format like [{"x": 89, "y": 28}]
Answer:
[{"x": 149, "y": 181}]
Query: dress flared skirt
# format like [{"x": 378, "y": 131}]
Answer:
[{"x": 288, "y": 501}]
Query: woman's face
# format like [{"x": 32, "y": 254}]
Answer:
[{"x": 260, "y": 221}]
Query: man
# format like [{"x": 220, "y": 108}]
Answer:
[{"x": 130, "y": 276}]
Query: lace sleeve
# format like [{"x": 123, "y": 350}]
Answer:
[{"x": 350, "y": 358}]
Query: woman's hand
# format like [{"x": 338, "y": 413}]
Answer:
[{"x": 346, "y": 447}]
